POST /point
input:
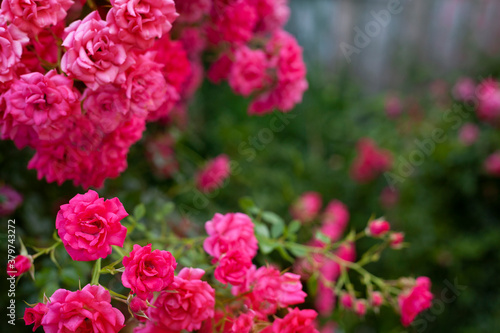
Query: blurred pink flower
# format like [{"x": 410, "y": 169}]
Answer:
[
  {"x": 10, "y": 199},
  {"x": 306, "y": 207},
  {"x": 213, "y": 175},
  {"x": 469, "y": 133},
  {"x": 492, "y": 164},
  {"x": 417, "y": 299}
]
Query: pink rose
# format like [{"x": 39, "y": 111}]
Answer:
[
  {"x": 249, "y": 71},
  {"x": 492, "y": 164},
  {"x": 285, "y": 55},
  {"x": 370, "y": 162},
  {"x": 469, "y": 133},
  {"x": 147, "y": 272},
  {"x": 244, "y": 323},
  {"x": 230, "y": 231},
  {"x": 145, "y": 86},
  {"x": 360, "y": 307},
  {"x": 94, "y": 55},
  {"x": 272, "y": 15},
  {"x": 393, "y": 106},
  {"x": 32, "y": 16},
  {"x": 138, "y": 307},
  {"x": 306, "y": 207},
  {"x": 41, "y": 102},
  {"x": 376, "y": 299},
  {"x": 296, "y": 321},
  {"x": 488, "y": 108},
  {"x": 86, "y": 310},
  {"x": 89, "y": 225},
  {"x": 415, "y": 300},
  {"x": 35, "y": 315},
  {"x": 11, "y": 48},
  {"x": 185, "y": 309},
  {"x": 232, "y": 267},
  {"x": 106, "y": 107},
  {"x": 335, "y": 220},
  {"x": 192, "y": 11},
  {"x": 139, "y": 22},
  {"x": 347, "y": 301},
  {"x": 220, "y": 69},
  {"x": 265, "y": 289},
  {"x": 20, "y": 265},
  {"x": 465, "y": 89},
  {"x": 10, "y": 199},
  {"x": 378, "y": 228},
  {"x": 213, "y": 174},
  {"x": 396, "y": 240},
  {"x": 232, "y": 23}
]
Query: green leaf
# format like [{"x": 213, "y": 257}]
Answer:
[
  {"x": 96, "y": 272},
  {"x": 261, "y": 230},
  {"x": 322, "y": 237},
  {"x": 284, "y": 254},
  {"x": 297, "y": 250},
  {"x": 277, "y": 230},
  {"x": 139, "y": 211},
  {"x": 294, "y": 226},
  {"x": 272, "y": 218},
  {"x": 246, "y": 204},
  {"x": 312, "y": 285},
  {"x": 266, "y": 245}
]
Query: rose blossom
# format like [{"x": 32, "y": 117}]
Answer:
[
  {"x": 488, "y": 108},
  {"x": 89, "y": 225},
  {"x": 213, "y": 174},
  {"x": 370, "y": 162},
  {"x": 415, "y": 300},
  {"x": 41, "y": 102},
  {"x": 306, "y": 207},
  {"x": 232, "y": 267},
  {"x": 249, "y": 71},
  {"x": 146, "y": 271},
  {"x": 360, "y": 307},
  {"x": 230, "y": 231},
  {"x": 232, "y": 22},
  {"x": 376, "y": 299},
  {"x": 492, "y": 164},
  {"x": 192, "y": 11},
  {"x": 220, "y": 69},
  {"x": 106, "y": 107},
  {"x": 34, "y": 15},
  {"x": 265, "y": 289},
  {"x": 145, "y": 86},
  {"x": 21, "y": 265},
  {"x": 272, "y": 14},
  {"x": 139, "y": 22},
  {"x": 396, "y": 240},
  {"x": 11, "y": 49},
  {"x": 347, "y": 301},
  {"x": 335, "y": 219},
  {"x": 138, "y": 307},
  {"x": 469, "y": 133},
  {"x": 465, "y": 89},
  {"x": 192, "y": 303},
  {"x": 94, "y": 55},
  {"x": 378, "y": 228},
  {"x": 244, "y": 323},
  {"x": 296, "y": 321},
  {"x": 10, "y": 199},
  {"x": 35, "y": 315},
  {"x": 86, "y": 310}
]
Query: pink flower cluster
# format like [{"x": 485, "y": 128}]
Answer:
[
  {"x": 255, "y": 56},
  {"x": 370, "y": 162},
  {"x": 88, "y": 226},
  {"x": 190, "y": 304},
  {"x": 86, "y": 310},
  {"x": 415, "y": 300},
  {"x": 130, "y": 76}
]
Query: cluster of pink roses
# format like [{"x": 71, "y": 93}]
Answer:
[
  {"x": 254, "y": 54},
  {"x": 83, "y": 93},
  {"x": 233, "y": 245}
]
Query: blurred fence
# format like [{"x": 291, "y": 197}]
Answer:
[{"x": 438, "y": 37}]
